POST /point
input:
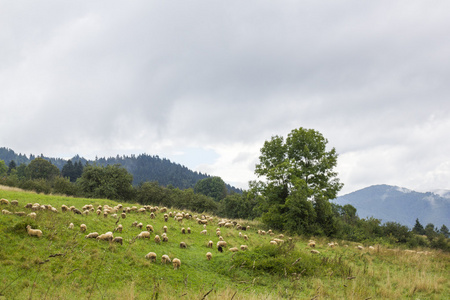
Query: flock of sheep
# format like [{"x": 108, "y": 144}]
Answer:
[{"x": 119, "y": 212}]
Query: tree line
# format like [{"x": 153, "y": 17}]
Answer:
[{"x": 294, "y": 192}]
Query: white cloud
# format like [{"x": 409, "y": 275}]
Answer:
[{"x": 102, "y": 78}]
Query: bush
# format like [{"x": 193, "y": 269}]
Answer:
[{"x": 37, "y": 185}]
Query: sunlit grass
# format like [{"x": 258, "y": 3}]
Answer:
[{"x": 64, "y": 265}]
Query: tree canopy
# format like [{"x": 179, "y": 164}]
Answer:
[
  {"x": 299, "y": 182},
  {"x": 213, "y": 187}
]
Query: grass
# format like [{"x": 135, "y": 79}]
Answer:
[{"x": 64, "y": 265}]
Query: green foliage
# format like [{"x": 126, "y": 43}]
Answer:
[
  {"x": 40, "y": 168},
  {"x": 111, "y": 182},
  {"x": 72, "y": 171},
  {"x": 238, "y": 206},
  {"x": 64, "y": 186},
  {"x": 418, "y": 228},
  {"x": 38, "y": 185},
  {"x": 298, "y": 170},
  {"x": 3, "y": 168},
  {"x": 444, "y": 231},
  {"x": 213, "y": 187}
]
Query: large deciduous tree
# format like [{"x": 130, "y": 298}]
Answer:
[
  {"x": 298, "y": 182},
  {"x": 40, "y": 168}
]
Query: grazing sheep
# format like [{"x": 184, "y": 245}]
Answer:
[
  {"x": 165, "y": 259},
  {"x": 165, "y": 238},
  {"x": 360, "y": 247},
  {"x": 203, "y": 232},
  {"x": 106, "y": 236},
  {"x": 218, "y": 233},
  {"x": 15, "y": 202},
  {"x": 35, "y": 232},
  {"x": 244, "y": 247},
  {"x": 71, "y": 226},
  {"x": 144, "y": 235},
  {"x": 165, "y": 229},
  {"x": 183, "y": 230},
  {"x": 152, "y": 216},
  {"x": 222, "y": 244},
  {"x": 140, "y": 225},
  {"x": 91, "y": 235},
  {"x": 4, "y": 201},
  {"x": 149, "y": 228},
  {"x": 105, "y": 214},
  {"x": 6, "y": 212},
  {"x": 76, "y": 211},
  {"x": 245, "y": 237},
  {"x": 151, "y": 256},
  {"x": 219, "y": 248},
  {"x": 118, "y": 239},
  {"x": 312, "y": 244},
  {"x": 315, "y": 252},
  {"x": 119, "y": 228},
  {"x": 134, "y": 224},
  {"x": 273, "y": 242},
  {"x": 210, "y": 244},
  {"x": 208, "y": 256},
  {"x": 98, "y": 212},
  {"x": 176, "y": 263},
  {"x": 20, "y": 213},
  {"x": 228, "y": 225},
  {"x": 157, "y": 239},
  {"x": 279, "y": 241},
  {"x": 123, "y": 215},
  {"x": 83, "y": 227},
  {"x": 188, "y": 230},
  {"x": 183, "y": 245},
  {"x": 234, "y": 249},
  {"x": 32, "y": 215}
]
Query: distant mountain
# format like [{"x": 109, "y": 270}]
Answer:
[
  {"x": 143, "y": 168},
  {"x": 397, "y": 204}
]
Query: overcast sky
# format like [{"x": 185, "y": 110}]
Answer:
[{"x": 205, "y": 83}]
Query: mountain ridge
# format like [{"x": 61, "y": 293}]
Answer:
[{"x": 398, "y": 204}]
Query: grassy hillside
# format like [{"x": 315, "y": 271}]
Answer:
[{"x": 63, "y": 264}]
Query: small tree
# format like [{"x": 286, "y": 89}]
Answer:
[
  {"x": 418, "y": 228},
  {"x": 444, "y": 231},
  {"x": 213, "y": 187}
]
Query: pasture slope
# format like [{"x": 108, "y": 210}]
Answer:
[{"x": 63, "y": 264}]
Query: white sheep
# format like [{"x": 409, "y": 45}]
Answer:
[
  {"x": 273, "y": 242},
  {"x": 123, "y": 215},
  {"x": 71, "y": 226},
  {"x": 165, "y": 229},
  {"x": 203, "y": 232},
  {"x": 165, "y": 238},
  {"x": 188, "y": 230},
  {"x": 208, "y": 256},
  {"x": 183, "y": 245},
  {"x": 157, "y": 239},
  {"x": 176, "y": 263},
  {"x": 165, "y": 259},
  {"x": 312, "y": 244},
  {"x": 35, "y": 232},
  {"x": 32, "y": 215},
  {"x": 83, "y": 227},
  {"x": 151, "y": 256},
  {"x": 14, "y": 202},
  {"x": 234, "y": 249},
  {"x": 6, "y": 212},
  {"x": 140, "y": 225},
  {"x": 244, "y": 247},
  {"x": 91, "y": 235},
  {"x": 183, "y": 230},
  {"x": 221, "y": 244},
  {"x": 106, "y": 236},
  {"x": 4, "y": 201},
  {"x": 144, "y": 235},
  {"x": 119, "y": 228},
  {"x": 210, "y": 244},
  {"x": 315, "y": 252},
  {"x": 149, "y": 228}
]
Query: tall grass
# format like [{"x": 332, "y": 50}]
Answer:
[{"x": 64, "y": 265}]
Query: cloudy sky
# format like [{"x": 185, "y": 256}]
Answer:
[{"x": 205, "y": 83}]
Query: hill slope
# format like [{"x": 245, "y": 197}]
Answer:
[
  {"x": 143, "y": 167},
  {"x": 396, "y": 204}
]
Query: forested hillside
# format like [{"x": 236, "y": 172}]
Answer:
[{"x": 143, "y": 167}]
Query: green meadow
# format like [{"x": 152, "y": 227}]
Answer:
[{"x": 63, "y": 264}]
